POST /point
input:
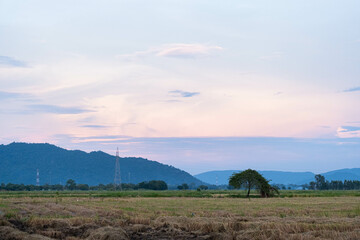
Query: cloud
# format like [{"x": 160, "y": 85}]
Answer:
[
  {"x": 104, "y": 137},
  {"x": 43, "y": 108},
  {"x": 8, "y": 61},
  {"x": 187, "y": 50},
  {"x": 348, "y": 131},
  {"x": 178, "y": 50},
  {"x": 355, "y": 89},
  {"x": 179, "y": 93},
  {"x": 94, "y": 126},
  {"x": 101, "y": 139},
  {"x": 11, "y": 95}
]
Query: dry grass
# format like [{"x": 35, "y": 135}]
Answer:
[{"x": 183, "y": 218}]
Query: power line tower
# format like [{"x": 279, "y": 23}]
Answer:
[
  {"x": 117, "y": 177},
  {"x": 37, "y": 178}
]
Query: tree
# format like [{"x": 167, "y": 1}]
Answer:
[
  {"x": 158, "y": 185},
  {"x": 83, "y": 187},
  {"x": 153, "y": 185},
  {"x": 143, "y": 185},
  {"x": 266, "y": 190},
  {"x": 320, "y": 182},
  {"x": 247, "y": 179},
  {"x": 70, "y": 184},
  {"x": 184, "y": 186},
  {"x": 251, "y": 179},
  {"x": 312, "y": 185}
]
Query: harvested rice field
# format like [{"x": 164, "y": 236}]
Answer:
[{"x": 88, "y": 217}]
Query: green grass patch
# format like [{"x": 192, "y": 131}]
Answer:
[{"x": 174, "y": 193}]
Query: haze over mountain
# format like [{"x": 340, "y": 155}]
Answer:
[
  {"x": 280, "y": 177},
  {"x": 19, "y": 162}
]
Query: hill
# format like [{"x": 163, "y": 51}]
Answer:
[
  {"x": 279, "y": 177},
  {"x": 19, "y": 162},
  {"x": 343, "y": 174}
]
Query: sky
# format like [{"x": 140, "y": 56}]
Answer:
[{"x": 200, "y": 85}]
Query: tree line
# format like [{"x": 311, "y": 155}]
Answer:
[
  {"x": 248, "y": 179},
  {"x": 72, "y": 185},
  {"x": 321, "y": 183}
]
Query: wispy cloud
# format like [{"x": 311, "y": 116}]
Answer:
[
  {"x": 348, "y": 131},
  {"x": 178, "y": 50},
  {"x": 43, "y": 108},
  {"x": 179, "y": 93},
  {"x": 8, "y": 61},
  {"x": 354, "y": 89},
  {"x": 12, "y": 95},
  {"x": 187, "y": 50},
  {"x": 104, "y": 137},
  {"x": 94, "y": 126}
]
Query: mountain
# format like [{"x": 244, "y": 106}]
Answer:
[
  {"x": 343, "y": 174},
  {"x": 19, "y": 162},
  {"x": 279, "y": 177}
]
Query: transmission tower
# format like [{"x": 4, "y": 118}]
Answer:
[
  {"x": 117, "y": 177},
  {"x": 37, "y": 178}
]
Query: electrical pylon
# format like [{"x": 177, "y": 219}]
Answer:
[{"x": 117, "y": 177}]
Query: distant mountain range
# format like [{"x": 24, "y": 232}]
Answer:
[
  {"x": 279, "y": 177},
  {"x": 19, "y": 161}
]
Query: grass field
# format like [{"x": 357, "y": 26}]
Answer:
[
  {"x": 179, "y": 215},
  {"x": 172, "y": 193}
]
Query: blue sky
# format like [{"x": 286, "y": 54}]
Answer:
[{"x": 238, "y": 76}]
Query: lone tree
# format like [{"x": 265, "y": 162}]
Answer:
[{"x": 252, "y": 179}]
